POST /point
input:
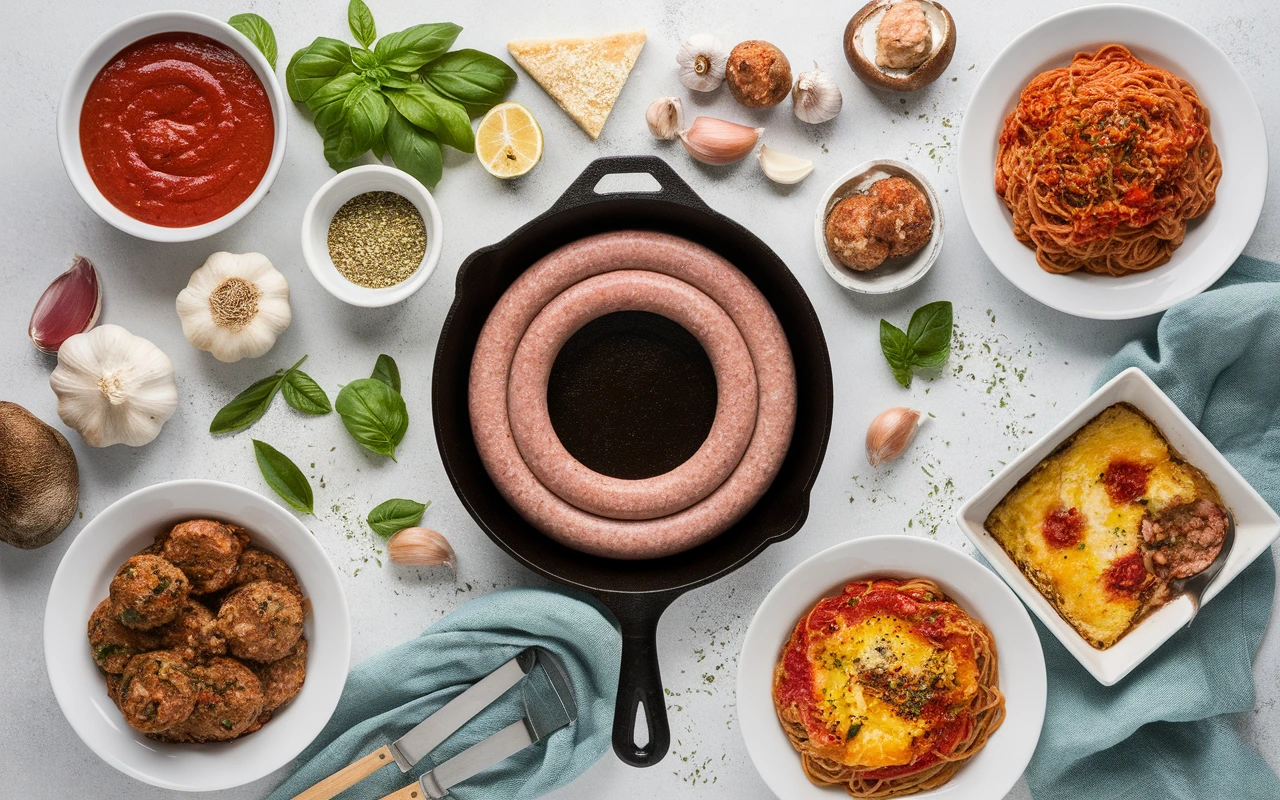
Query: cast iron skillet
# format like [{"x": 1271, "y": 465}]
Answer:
[{"x": 637, "y": 592}]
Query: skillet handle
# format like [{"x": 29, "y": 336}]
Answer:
[
  {"x": 673, "y": 188},
  {"x": 640, "y": 684}
]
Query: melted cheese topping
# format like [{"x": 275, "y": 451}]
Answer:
[
  {"x": 1073, "y": 578},
  {"x": 851, "y": 668}
]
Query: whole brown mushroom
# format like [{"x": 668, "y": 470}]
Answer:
[
  {"x": 39, "y": 481},
  {"x": 758, "y": 74},
  {"x": 900, "y": 45}
]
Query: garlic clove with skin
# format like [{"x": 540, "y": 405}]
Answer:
[
  {"x": 235, "y": 306},
  {"x": 816, "y": 97},
  {"x": 114, "y": 387},
  {"x": 421, "y": 547},
  {"x": 702, "y": 61},
  {"x": 782, "y": 167},
  {"x": 69, "y": 306},
  {"x": 890, "y": 433},
  {"x": 665, "y": 117},
  {"x": 718, "y": 141}
]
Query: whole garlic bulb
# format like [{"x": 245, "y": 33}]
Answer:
[
  {"x": 702, "y": 60},
  {"x": 114, "y": 387},
  {"x": 235, "y": 306},
  {"x": 816, "y": 97}
]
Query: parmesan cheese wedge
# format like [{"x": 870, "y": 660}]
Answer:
[{"x": 585, "y": 76}]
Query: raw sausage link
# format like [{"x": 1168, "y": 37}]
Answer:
[
  {"x": 760, "y": 329},
  {"x": 616, "y": 498}
]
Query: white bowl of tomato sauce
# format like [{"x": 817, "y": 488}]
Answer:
[{"x": 172, "y": 126}]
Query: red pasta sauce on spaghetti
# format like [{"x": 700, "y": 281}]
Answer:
[{"x": 176, "y": 130}]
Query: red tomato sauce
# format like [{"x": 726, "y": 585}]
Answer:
[
  {"x": 1125, "y": 481},
  {"x": 1063, "y": 527},
  {"x": 176, "y": 130}
]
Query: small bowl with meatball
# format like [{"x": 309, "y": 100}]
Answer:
[
  {"x": 878, "y": 228},
  {"x": 197, "y": 636}
]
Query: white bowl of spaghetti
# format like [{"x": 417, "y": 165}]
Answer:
[
  {"x": 915, "y": 577},
  {"x": 1111, "y": 234}
]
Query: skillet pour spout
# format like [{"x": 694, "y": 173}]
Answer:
[{"x": 636, "y": 592}]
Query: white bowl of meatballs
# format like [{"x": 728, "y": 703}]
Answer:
[
  {"x": 197, "y": 636},
  {"x": 878, "y": 228}
]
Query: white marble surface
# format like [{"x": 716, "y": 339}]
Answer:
[{"x": 1040, "y": 362}]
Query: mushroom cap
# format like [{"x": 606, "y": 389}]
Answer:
[
  {"x": 39, "y": 479},
  {"x": 898, "y": 80}
]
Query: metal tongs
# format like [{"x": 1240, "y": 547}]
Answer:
[{"x": 548, "y": 702}]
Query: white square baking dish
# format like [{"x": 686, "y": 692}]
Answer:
[{"x": 1257, "y": 525}]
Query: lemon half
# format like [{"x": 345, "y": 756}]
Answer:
[{"x": 508, "y": 140}]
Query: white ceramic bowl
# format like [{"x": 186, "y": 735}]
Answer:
[
  {"x": 989, "y": 774},
  {"x": 331, "y": 197},
  {"x": 1257, "y": 526},
  {"x": 895, "y": 273},
  {"x": 91, "y": 63},
  {"x": 81, "y": 582},
  {"x": 1212, "y": 242}
]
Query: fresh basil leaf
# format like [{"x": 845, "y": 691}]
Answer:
[
  {"x": 428, "y": 110},
  {"x": 258, "y": 30},
  {"x": 284, "y": 477},
  {"x": 328, "y": 103},
  {"x": 248, "y": 407},
  {"x": 360, "y": 20},
  {"x": 321, "y": 62},
  {"x": 414, "y": 150},
  {"x": 380, "y": 145},
  {"x": 897, "y": 351},
  {"x": 389, "y": 79},
  {"x": 304, "y": 394},
  {"x": 412, "y": 48},
  {"x": 364, "y": 59},
  {"x": 930, "y": 333},
  {"x": 477, "y": 80},
  {"x": 395, "y": 515},
  {"x": 374, "y": 414},
  {"x": 365, "y": 116},
  {"x": 337, "y": 142},
  {"x": 385, "y": 370}
]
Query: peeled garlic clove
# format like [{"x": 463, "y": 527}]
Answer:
[
  {"x": 421, "y": 547},
  {"x": 702, "y": 60},
  {"x": 69, "y": 306},
  {"x": 890, "y": 433},
  {"x": 718, "y": 141},
  {"x": 665, "y": 117},
  {"x": 783, "y": 167},
  {"x": 816, "y": 97}
]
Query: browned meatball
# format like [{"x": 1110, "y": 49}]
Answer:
[
  {"x": 905, "y": 222},
  {"x": 283, "y": 679},
  {"x": 156, "y": 691},
  {"x": 147, "y": 591},
  {"x": 758, "y": 74},
  {"x": 259, "y": 565},
  {"x": 194, "y": 628},
  {"x": 228, "y": 703},
  {"x": 206, "y": 550},
  {"x": 111, "y": 643},
  {"x": 261, "y": 621},
  {"x": 849, "y": 233},
  {"x": 1183, "y": 540}
]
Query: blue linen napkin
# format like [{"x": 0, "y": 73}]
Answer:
[
  {"x": 393, "y": 691},
  {"x": 1159, "y": 733}
]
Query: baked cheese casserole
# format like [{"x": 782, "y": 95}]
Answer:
[{"x": 1103, "y": 523}]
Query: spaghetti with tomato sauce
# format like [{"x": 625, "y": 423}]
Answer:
[
  {"x": 888, "y": 688},
  {"x": 1103, "y": 162}
]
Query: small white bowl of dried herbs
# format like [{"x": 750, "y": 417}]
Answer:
[{"x": 372, "y": 235}]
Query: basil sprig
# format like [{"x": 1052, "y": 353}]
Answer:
[
  {"x": 925, "y": 345},
  {"x": 402, "y": 95},
  {"x": 284, "y": 477},
  {"x": 373, "y": 411},
  {"x": 395, "y": 515},
  {"x": 257, "y": 30},
  {"x": 246, "y": 408}
]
